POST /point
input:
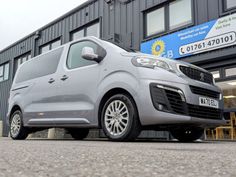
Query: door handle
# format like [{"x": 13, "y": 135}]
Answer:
[
  {"x": 64, "y": 77},
  {"x": 51, "y": 81}
]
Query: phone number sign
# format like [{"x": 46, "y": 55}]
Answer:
[{"x": 209, "y": 36}]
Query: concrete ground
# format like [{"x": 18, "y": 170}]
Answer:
[{"x": 59, "y": 158}]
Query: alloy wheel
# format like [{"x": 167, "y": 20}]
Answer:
[
  {"x": 15, "y": 125},
  {"x": 116, "y": 117}
]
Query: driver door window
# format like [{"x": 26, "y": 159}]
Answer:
[{"x": 75, "y": 59}]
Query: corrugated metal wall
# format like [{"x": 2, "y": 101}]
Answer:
[
  {"x": 125, "y": 20},
  {"x": 8, "y": 55}
]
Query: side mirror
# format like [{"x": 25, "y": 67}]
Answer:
[{"x": 89, "y": 54}]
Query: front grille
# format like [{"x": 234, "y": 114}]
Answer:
[
  {"x": 197, "y": 74},
  {"x": 172, "y": 102},
  {"x": 204, "y": 92},
  {"x": 204, "y": 112}
]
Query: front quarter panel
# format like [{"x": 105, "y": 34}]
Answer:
[{"x": 118, "y": 72}]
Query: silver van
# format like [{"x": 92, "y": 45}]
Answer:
[{"x": 91, "y": 83}]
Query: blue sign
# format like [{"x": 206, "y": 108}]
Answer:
[{"x": 205, "y": 37}]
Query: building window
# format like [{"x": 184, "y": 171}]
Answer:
[
  {"x": 229, "y": 93},
  {"x": 4, "y": 72},
  {"x": 216, "y": 74},
  {"x": 177, "y": 17},
  {"x": 78, "y": 34},
  {"x": 230, "y": 4},
  {"x": 18, "y": 61},
  {"x": 91, "y": 30},
  {"x": 45, "y": 49},
  {"x": 56, "y": 44},
  {"x": 230, "y": 72},
  {"x": 156, "y": 21},
  {"x": 169, "y": 17},
  {"x": 50, "y": 46}
]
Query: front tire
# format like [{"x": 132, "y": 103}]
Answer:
[
  {"x": 187, "y": 134},
  {"x": 119, "y": 118},
  {"x": 17, "y": 129},
  {"x": 78, "y": 134}
]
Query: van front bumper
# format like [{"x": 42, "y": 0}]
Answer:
[{"x": 172, "y": 103}]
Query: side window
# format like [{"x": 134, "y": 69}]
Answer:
[
  {"x": 75, "y": 59},
  {"x": 40, "y": 66}
]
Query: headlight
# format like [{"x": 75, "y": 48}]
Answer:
[{"x": 150, "y": 63}]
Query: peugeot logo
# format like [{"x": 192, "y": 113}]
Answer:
[{"x": 202, "y": 77}]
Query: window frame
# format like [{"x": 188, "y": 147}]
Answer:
[
  {"x": 146, "y": 22},
  {"x": 3, "y": 65},
  {"x": 41, "y": 47},
  {"x": 216, "y": 70},
  {"x": 91, "y": 24},
  {"x": 75, "y": 31},
  {"x": 167, "y": 30},
  {"x": 225, "y": 6},
  {"x": 183, "y": 26},
  {"x": 224, "y": 72},
  {"x": 50, "y": 45},
  {"x": 68, "y": 52},
  {"x": 84, "y": 28},
  {"x": 20, "y": 58},
  {"x": 8, "y": 73}
]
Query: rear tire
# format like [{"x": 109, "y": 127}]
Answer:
[
  {"x": 187, "y": 134},
  {"x": 119, "y": 118},
  {"x": 78, "y": 133},
  {"x": 17, "y": 129}
]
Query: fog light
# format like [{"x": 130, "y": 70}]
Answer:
[{"x": 160, "y": 107}]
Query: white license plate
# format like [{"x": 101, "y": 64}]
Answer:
[{"x": 203, "y": 101}]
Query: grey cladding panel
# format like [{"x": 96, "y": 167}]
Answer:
[
  {"x": 212, "y": 12},
  {"x": 118, "y": 24},
  {"x": 74, "y": 22},
  {"x": 136, "y": 23},
  {"x": 201, "y": 11},
  {"x": 86, "y": 15},
  {"x": 149, "y": 3},
  {"x": 129, "y": 17},
  {"x": 96, "y": 10}
]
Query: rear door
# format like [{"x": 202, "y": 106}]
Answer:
[
  {"x": 40, "y": 99},
  {"x": 77, "y": 86}
]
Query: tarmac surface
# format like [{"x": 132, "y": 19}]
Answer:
[{"x": 59, "y": 158}]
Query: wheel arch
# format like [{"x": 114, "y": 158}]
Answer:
[
  {"x": 14, "y": 108},
  {"x": 110, "y": 93}
]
